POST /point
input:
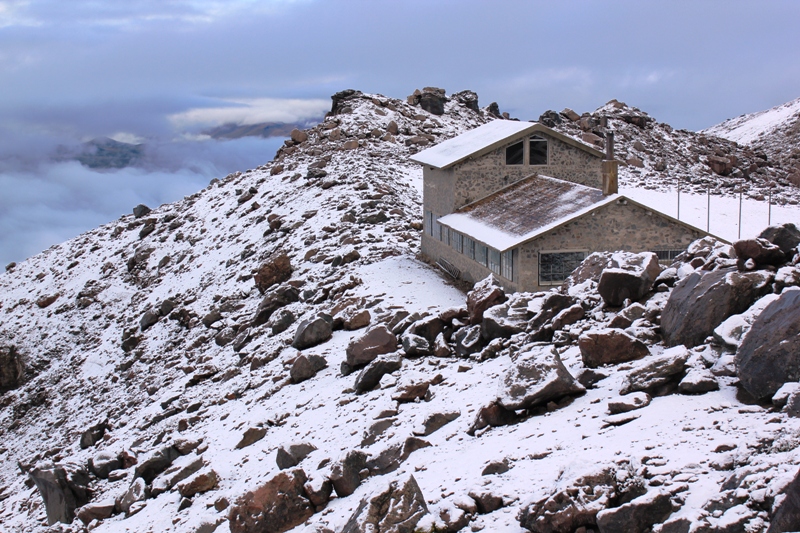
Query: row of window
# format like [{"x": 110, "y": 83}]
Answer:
[
  {"x": 537, "y": 152},
  {"x": 501, "y": 263}
]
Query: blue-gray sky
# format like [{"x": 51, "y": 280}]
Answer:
[{"x": 160, "y": 70}]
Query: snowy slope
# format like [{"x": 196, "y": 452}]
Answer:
[
  {"x": 178, "y": 384},
  {"x": 746, "y": 129}
]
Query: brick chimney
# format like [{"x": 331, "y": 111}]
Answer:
[{"x": 610, "y": 167}]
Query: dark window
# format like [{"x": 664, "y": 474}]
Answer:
[
  {"x": 480, "y": 253},
  {"x": 514, "y": 154},
  {"x": 494, "y": 261},
  {"x": 456, "y": 241},
  {"x": 507, "y": 264},
  {"x": 556, "y": 267},
  {"x": 469, "y": 247},
  {"x": 538, "y": 146},
  {"x": 667, "y": 256},
  {"x": 429, "y": 222}
]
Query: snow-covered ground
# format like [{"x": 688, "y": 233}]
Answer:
[{"x": 748, "y": 128}]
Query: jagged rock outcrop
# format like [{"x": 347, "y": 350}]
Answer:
[
  {"x": 398, "y": 509},
  {"x": 64, "y": 488},
  {"x": 277, "y": 506},
  {"x": 537, "y": 376}
]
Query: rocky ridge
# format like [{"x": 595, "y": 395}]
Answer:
[{"x": 267, "y": 355}]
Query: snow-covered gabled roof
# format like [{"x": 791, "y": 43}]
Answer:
[
  {"x": 487, "y": 138},
  {"x": 530, "y": 208}
]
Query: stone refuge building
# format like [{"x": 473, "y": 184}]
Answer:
[{"x": 528, "y": 204}]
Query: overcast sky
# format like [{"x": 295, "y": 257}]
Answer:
[{"x": 159, "y": 71}]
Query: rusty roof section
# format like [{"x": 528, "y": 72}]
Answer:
[{"x": 531, "y": 204}]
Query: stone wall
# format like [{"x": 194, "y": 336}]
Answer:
[
  {"x": 438, "y": 191},
  {"x": 480, "y": 177},
  {"x": 611, "y": 228}
]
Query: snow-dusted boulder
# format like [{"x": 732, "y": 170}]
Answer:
[
  {"x": 733, "y": 328},
  {"x": 277, "y": 506},
  {"x": 628, "y": 276},
  {"x": 537, "y": 376},
  {"x": 657, "y": 375},
  {"x": 64, "y": 488},
  {"x": 702, "y": 300},
  {"x": 610, "y": 347},
  {"x": 640, "y": 514},
  {"x": 397, "y": 509},
  {"x": 377, "y": 340},
  {"x": 485, "y": 294},
  {"x": 769, "y": 354}
]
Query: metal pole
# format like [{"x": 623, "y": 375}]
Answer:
[
  {"x": 679, "y": 198},
  {"x": 708, "y": 210},
  {"x": 769, "y": 217},
  {"x": 740, "y": 211}
]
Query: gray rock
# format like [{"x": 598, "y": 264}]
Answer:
[
  {"x": 346, "y": 474},
  {"x": 698, "y": 381},
  {"x": 398, "y": 509},
  {"x": 93, "y": 435},
  {"x": 701, "y": 301},
  {"x": 537, "y": 376},
  {"x": 212, "y": 317},
  {"x": 769, "y": 354},
  {"x": 657, "y": 375},
  {"x": 95, "y": 511},
  {"x": 141, "y": 210},
  {"x": 782, "y": 395},
  {"x": 377, "y": 340},
  {"x": 610, "y": 347},
  {"x": 629, "y": 402},
  {"x": 225, "y": 336},
  {"x": 155, "y": 463},
  {"x": 103, "y": 463},
  {"x": 428, "y": 327},
  {"x": 629, "y": 276},
  {"x": 636, "y": 516},
  {"x": 568, "y": 316},
  {"x": 312, "y": 332},
  {"x": 251, "y": 436},
  {"x": 136, "y": 492},
  {"x": 436, "y": 421},
  {"x": 786, "y": 514},
  {"x": 149, "y": 318},
  {"x": 492, "y": 415},
  {"x": 785, "y": 237},
  {"x": 280, "y": 321},
  {"x": 371, "y": 375},
  {"x": 486, "y": 501},
  {"x": 273, "y": 300},
  {"x": 290, "y": 456},
  {"x": 180, "y": 470},
  {"x": 415, "y": 345},
  {"x": 496, "y": 467},
  {"x": 761, "y": 251},
  {"x": 64, "y": 488},
  {"x": 468, "y": 340},
  {"x": 503, "y": 321},
  {"x": 306, "y": 367}
]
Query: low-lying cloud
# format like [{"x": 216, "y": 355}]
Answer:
[{"x": 251, "y": 111}]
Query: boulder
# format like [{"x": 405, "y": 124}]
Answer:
[
  {"x": 486, "y": 501},
  {"x": 492, "y": 415},
  {"x": 698, "y": 381},
  {"x": 503, "y": 321},
  {"x": 149, "y": 318},
  {"x": 280, "y": 321},
  {"x": 610, "y": 347},
  {"x": 12, "y": 368},
  {"x": 432, "y": 100},
  {"x": 468, "y": 98},
  {"x": 630, "y": 402},
  {"x": 64, "y": 488},
  {"x": 275, "y": 270},
  {"x": 377, "y": 340},
  {"x": 95, "y": 511},
  {"x": 782, "y": 395},
  {"x": 354, "y": 319},
  {"x": 769, "y": 354},
  {"x": 181, "y": 469},
  {"x": 786, "y": 512},
  {"x": 277, "y": 506},
  {"x": 290, "y": 456},
  {"x": 435, "y": 421},
  {"x": 136, "y": 492},
  {"x": 537, "y": 376},
  {"x": 415, "y": 346},
  {"x": 141, "y": 210},
  {"x": 313, "y": 331},
  {"x": 371, "y": 375},
  {"x": 199, "y": 483},
  {"x": 298, "y": 136},
  {"x": 346, "y": 473},
  {"x": 658, "y": 374},
  {"x": 306, "y": 367},
  {"x": 103, "y": 463},
  {"x": 250, "y": 436},
  {"x": 273, "y": 300},
  {"x": 225, "y": 336},
  {"x": 428, "y": 327},
  {"x": 155, "y": 463},
  {"x": 411, "y": 392},
  {"x": 568, "y": 316},
  {"x": 398, "y": 509},
  {"x": 638, "y": 515},
  {"x": 761, "y": 251},
  {"x": 785, "y": 237},
  {"x": 577, "y": 504},
  {"x": 732, "y": 330},
  {"x": 468, "y": 340},
  {"x": 485, "y": 294},
  {"x": 545, "y": 309},
  {"x": 702, "y": 300},
  {"x": 590, "y": 269},
  {"x": 629, "y": 276}
]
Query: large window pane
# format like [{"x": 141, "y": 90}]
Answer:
[
  {"x": 469, "y": 247},
  {"x": 556, "y": 267},
  {"x": 480, "y": 253},
  {"x": 538, "y": 149},
  {"x": 514, "y": 154},
  {"x": 507, "y": 264},
  {"x": 494, "y": 261}
]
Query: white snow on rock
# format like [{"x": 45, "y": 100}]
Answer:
[{"x": 747, "y": 128}]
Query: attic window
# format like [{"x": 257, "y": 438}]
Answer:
[
  {"x": 538, "y": 148},
  {"x": 514, "y": 154}
]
